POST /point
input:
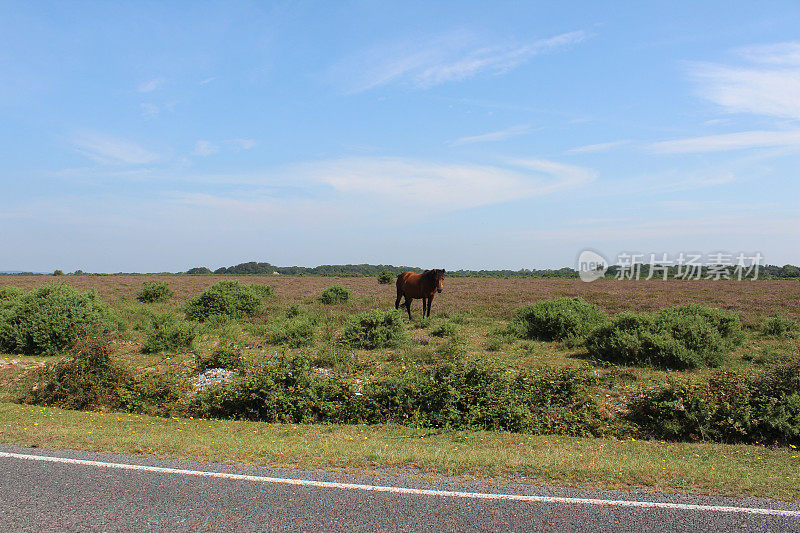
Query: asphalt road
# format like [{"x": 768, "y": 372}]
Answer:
[{"x": 110, "y": 492}]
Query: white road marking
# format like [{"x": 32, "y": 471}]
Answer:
[{"x": 404, "y": 490}]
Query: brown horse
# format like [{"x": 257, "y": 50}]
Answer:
[{"x": 413, "y": 285}]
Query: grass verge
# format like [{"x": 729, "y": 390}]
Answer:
[{"x": 697, "y": 467}]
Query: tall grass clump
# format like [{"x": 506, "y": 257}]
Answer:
[
  {"x": 780, "y": 326},
  {"x": 375, "y": 329},
  {"x": 49, "y": 319},
  {"x": 335, "y": 294},
  {"x": 225, "y": 298},
  {"x": 679, "y": 338},
  {"x": 557, "y": 320},
  {"x": 166, "y": 333},
  {"x": 155, "y": 291},
  {"x": 228, "y": 357}
]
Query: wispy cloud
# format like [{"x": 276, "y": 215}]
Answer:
[
  {"x": 242, "y": 144},
  {"x": 205, "y": 148},
  {"x": 408, "y": 182},
  {"x": 501, "y": 135},
  {"x": 452, "y": 57},
  {"x": 207, "y": 80},
  {"x": 769, "y": 84},
  {"x": 600, "y": 147},
  {"x": 730, "y": 141},
  {"x": 151, "y": 85},
  {"x": 111, "y": 150}
]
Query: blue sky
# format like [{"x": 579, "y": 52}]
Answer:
[{"x": 150, "y": 136}]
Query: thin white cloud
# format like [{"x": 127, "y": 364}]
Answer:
[
  {"x": 600, "y": 147},
  {"x": 501, "y": 135},
  {"x": 205, "y": 148},
  {"x": 242, "y": 144},
  {"x": 452, "y": 57},
  {"x": 151, "y": 85},
  {"x": 768, "y": 85},
  {"x": 207, "y": 80},
  {"x": 729, "y": 141},
  {"x": 405, "y": 183},
  {"x": 111, "y": 150}
]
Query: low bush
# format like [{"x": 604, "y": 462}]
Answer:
[
  {"x": 50, "y": 319},
  {"x": 166, "y": 333},
  {"x": 726, "y": 407},
  {"x": 87, "y": 378},
  {"x": 445, "y": 329},
  {"x": 226, "y": 298},
  {"x": 780, "y": 326},
  {"x": 84, "y": 379},
  {"x": 458, "y": 395},
  {"x": 385, "y": 277},
  {"x": 155, "y": 291},
  {"x": 678, "y": 338},
  {"x": 557, "y": 320},
  {"x": 264, "y": 291},
  {"x": 227, "y": 357},
  {"x": 375, "y": 329},
  {"x": 335, "y": 294},
  {"x": 294, "y": 333},
  {"x": 10, "y": 293},
  {"x": 286, "y": 392},
  {"x": 472, "y": 395}
]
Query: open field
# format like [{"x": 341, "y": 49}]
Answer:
[{"x": 477, "y": 311}]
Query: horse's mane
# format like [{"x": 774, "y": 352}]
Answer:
[{"x": 430, "y": 274}]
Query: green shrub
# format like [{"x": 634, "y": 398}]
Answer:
[
  {"x": 294, "y": 310},
  {"x": 83, "y": 379},
  {"x": 155, "y": 291},
  {"x": 385, "y": 277},
  {"x": 375, "y": 329},
  {"x": 166, "y": 333},
  {"x": 726, "y": 407},
  {"x": 49, "y": 319},
  {"x": 446, "y": 329},
  {"x": 226, "y": 298},
  {"x": 227, "y": 357},
  {"x": 557, "y": 320},
  {"x": 334, "y": 294},
  {"x": 286, "y": 392},
  {"x": 473, "y": 395},
  {"x": 294, "y": 333},
  {"x": 780, "y": 326},
  {"x": 678, "y": 338},
  {"x": 264, "y": 291},
  {"x": 9, "y": 293}
]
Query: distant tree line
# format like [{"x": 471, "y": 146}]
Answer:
[{"x": 254, "y": 268}]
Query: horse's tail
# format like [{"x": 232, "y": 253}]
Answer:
[{"x": 399, "y": 285}]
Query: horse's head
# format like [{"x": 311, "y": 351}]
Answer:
[{"x": 439, "y": 277}]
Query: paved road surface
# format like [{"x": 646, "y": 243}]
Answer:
[{"x": 63, "y": 490}]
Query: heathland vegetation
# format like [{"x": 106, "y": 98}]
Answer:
[{"x": 610, "y": 358}]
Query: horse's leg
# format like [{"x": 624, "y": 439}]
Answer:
[
  {"x": 424, "y": 303},
  {"x": 430, "y": 301},
  {"x": 408, "y": 307}
]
